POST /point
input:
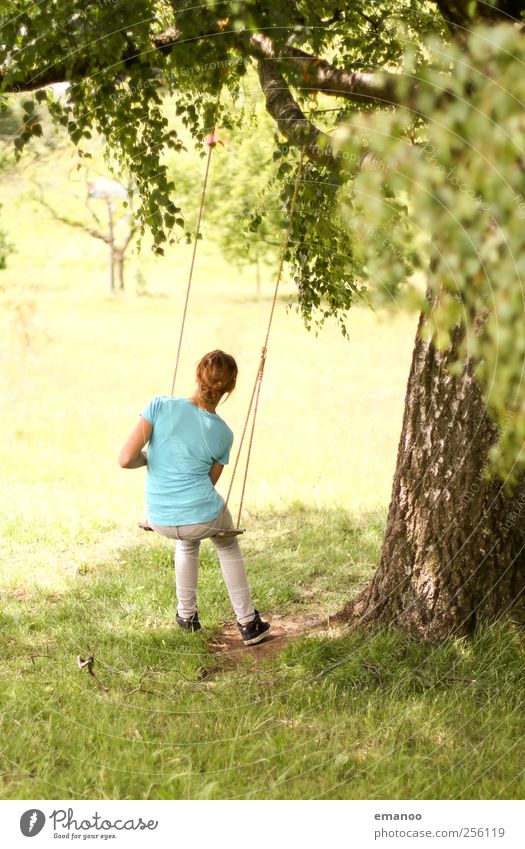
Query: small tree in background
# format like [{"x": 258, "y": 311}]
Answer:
[
  {"x": 120, "y": 228},
  {"x": 111, "y": 192},
  {"x": 19, "y": 119}
]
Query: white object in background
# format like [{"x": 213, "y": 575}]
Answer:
[{"x": 106, "y": 189}]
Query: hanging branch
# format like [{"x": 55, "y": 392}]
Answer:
[
  {"x": 291, "y": 120},
  {"x": 312, "y": 73},
  {"x": 106, "y": 236}
]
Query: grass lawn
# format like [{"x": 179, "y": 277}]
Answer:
[{"x": 188, "y": 716}]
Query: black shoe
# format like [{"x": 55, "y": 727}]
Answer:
[
  {"x": 190, "y": 624},
  {"x": 254, "y": 631}
]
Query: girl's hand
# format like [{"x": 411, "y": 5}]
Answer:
[{"x": 141, "y": 460}]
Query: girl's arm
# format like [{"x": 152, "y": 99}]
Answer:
[
  {"x": 131, "y": 454},
  {"x": 215, "y": 472}
]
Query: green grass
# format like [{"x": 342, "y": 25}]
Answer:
[
  {"x": 355, "y": 716},
  {"x": 330, "y": 716}
]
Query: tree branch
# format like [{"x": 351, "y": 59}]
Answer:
[
  {"x": 313, "y": 73},
  {"x": 64, "y": 219},
  {"x": 49, "y": 76},
  {"x": 291, "y": 120},
  {"x": 131, "y": 232},
  {"x": 317, "y": 75},
  {"x": 310, "y": 73},
  {"x": 62, "y": 73}
]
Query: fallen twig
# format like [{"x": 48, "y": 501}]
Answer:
[
  {"x": 458, "y": 678},
  {"x": 89, "y": 662},
  {"x": 332, "y": 666},
  {"x": 424, "y": 680},
  {"x": 373, "y": 667},
  {"x": 38, "y": 655}
]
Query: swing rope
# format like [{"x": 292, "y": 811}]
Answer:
[
  {"x": 211, "y": 145},
  {"x": 256, "y": 390}
]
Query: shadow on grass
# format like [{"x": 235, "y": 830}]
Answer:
[{"x": 393, "y": 663}]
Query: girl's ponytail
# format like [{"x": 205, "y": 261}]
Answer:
[{"x": 216, "y": 376}]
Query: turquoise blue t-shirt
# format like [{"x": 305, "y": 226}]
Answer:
[{"x": 185, "y": 442}]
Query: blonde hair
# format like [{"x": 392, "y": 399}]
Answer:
[{"x": 216, "y": 376}]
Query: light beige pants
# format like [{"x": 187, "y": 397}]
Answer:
[{"x": 187, "y": 565}]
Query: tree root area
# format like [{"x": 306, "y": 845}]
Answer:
[{"x": 228, "y": 642}]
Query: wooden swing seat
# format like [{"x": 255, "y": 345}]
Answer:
[{"x": 227, "y": 533}]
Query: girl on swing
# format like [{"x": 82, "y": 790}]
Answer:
[{"x": 189, "y": 445}]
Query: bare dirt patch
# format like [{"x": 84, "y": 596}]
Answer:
[{"x": 229, "y": 644}]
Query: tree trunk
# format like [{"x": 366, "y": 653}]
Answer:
[
  {"x": 111, "y": 244},
  {"x": 119, "y": 257},
  {"x": 454, "y": 545},
  {"x": 258, "y": 277}
]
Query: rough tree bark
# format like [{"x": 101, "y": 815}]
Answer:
[{"x": 454, "y": 546}]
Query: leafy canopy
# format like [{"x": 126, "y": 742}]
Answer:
[
  {"x": 450, "y": 194},
  {"x": 437, "y": 186},
  {"x": 122, "y": 56}
]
